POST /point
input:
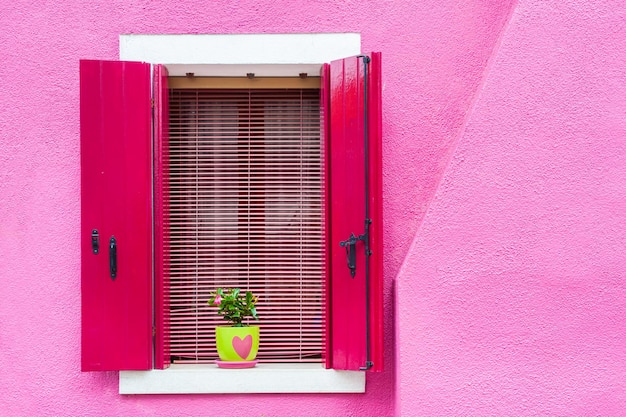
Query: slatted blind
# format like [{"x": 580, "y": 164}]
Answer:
[{"x": 246, "y": 210}]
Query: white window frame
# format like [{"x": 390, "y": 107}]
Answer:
[{"x": 265, "y": 55}]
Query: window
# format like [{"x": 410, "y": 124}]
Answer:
[
  {"x": 246, "y": 210},
  {"x": 117, "y": 310}
]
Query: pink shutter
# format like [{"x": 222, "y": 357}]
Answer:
[
  {"x": 325, "y": 180},
  {"x": 161, "y": 218},
  {"x": 356, "y": 328},
  {"x": 115, "y": 202},
  {"x": 376, "y": 210}
]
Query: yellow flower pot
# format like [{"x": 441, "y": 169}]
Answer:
[{"x": 237, "y": 344}]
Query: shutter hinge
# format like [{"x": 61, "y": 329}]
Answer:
[
  {"x": 152, "y": 103},
  {"x": 367, "y": 367},
  {"x": 153, "y": 331}
]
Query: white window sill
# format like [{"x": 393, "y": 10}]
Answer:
[{"x": 264, "y": 378}]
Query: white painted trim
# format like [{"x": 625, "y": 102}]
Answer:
[
  {"x": 264, "y": 378},
  {"x": 279, "y": 70},
  {"x": 266, "y": 55}
]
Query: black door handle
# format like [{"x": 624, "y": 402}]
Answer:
[{"x": 113, "y": 257}]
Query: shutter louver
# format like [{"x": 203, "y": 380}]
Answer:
[{"x": 245, "y": 210}]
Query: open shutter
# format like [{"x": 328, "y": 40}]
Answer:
[
  {"x": 116, "y": 314},
  {"x": 161, "y": 218},
  {"x": 356, "y": 319}
]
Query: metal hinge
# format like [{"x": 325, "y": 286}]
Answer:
[
  {"x": 367, "y": 367},
  {"x": 152, "y": 102}
]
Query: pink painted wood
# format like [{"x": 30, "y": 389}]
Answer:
[
  {"x": 325, "y": 134},
  {"x": 116, "y": 317},
  {"x": 161, "y": 218},
  {"x": 376, "y": 211},
  {"x": 347, "y": 196}
]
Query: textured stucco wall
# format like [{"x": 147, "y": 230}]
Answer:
[
  {"x": 434, "y": 54},
  {"x": 513, "y": 296}
]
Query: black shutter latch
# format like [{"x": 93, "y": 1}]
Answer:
[
  {"x": 113, "y": 257},
  {"x": 350, "y": 246},
  {"x": 95, "y": 241}
]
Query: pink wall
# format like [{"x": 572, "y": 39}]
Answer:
[
  {"x": 512, "y": 298},
  {"x": 509, "y": 297}
]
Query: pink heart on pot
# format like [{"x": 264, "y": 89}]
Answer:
[{"x": 242, "y": 346}]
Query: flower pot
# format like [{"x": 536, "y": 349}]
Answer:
[{"x": 237, "y": 344}]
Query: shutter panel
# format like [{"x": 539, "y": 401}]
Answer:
[
  {"x": 376, "y": 211},
  {"x": 356, "y": 329},
  {"x": 161, "y": 218},
  {"x": 325, "y": 152},
  {"x": 115, "y": 200}
]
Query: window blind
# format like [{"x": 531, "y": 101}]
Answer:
[{"x": 246, "y": 210}]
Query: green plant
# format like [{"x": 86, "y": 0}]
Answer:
[{"x": 234, "y": 305}]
